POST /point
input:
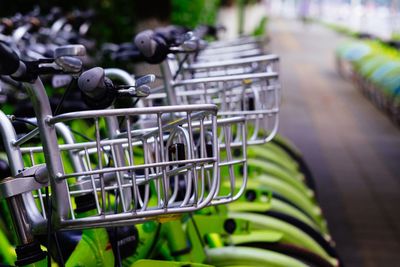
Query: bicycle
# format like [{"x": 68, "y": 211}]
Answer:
[{"x": 214, "y": 239}]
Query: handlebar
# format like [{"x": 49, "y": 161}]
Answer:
[
  {"x": 9, "y": 60},
  {"x": 153, "y": 47},
  {"x": 93, "y": 82},
  {"x": 97, "y": 90},
  {"x": 65, "y": 61}
]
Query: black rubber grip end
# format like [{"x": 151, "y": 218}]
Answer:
[{"x": 9, "y": 60}]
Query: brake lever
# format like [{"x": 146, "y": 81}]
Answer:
[
  {"x": 70, "y": 51},
  {"x": 140, "y": 91},
  {"x": 69, "y": 64},
  {"x": 64, "y": 57},
  {"x": 143, "y": 90},
  {"x": 146, "y": 79},
  {"x": 190, "y": 45},
  {"x": 51, "y": 66}
]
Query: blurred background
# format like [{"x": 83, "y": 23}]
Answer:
[
  {"x": 380, "y": 18},
  {"x": 340, "y": 69}
]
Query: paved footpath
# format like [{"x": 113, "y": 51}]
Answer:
[{"x": 353, "y": 149}]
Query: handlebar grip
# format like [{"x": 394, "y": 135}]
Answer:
[
  {"x": 92, "y": 82},
  {"x": 144, "y": 41},
  {"x": 153, "y": 48},
  {"x": 97, "y": 90},
  {"x": 9, "y": 60}
]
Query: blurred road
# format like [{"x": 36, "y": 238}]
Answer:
[{"x": 353, "y": 148}]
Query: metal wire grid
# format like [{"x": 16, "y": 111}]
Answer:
[
  {"x": 253, "y": 64},
  {"x": 232, "y": 164},
  {"x": 232, "y": 160},
  {"x": 131, "y": 177},
  {"x": 255, "y": 96}
]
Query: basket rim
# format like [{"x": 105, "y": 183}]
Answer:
[{"x": 208, "y": 108}]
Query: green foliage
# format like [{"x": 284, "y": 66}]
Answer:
[
  {"x": 340, "y": 29},
  {"x": 114, "y": 20},
  {"x": 260, "y": 30},
  {"x": 396, "y": 36},
  {"x": 191, "y": 13}
]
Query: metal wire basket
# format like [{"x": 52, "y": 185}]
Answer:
[
  {"x": 132, "y": 176},
  {"x": 255, "y": 96},
  {"x": 252, "y": 64},
  {"x": 116, "y": 171},
  {"x": 232, "y": 161}
]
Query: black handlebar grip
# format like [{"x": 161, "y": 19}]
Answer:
[
  {"x": 153, "y": 47},
  {"x": 92, "y": 82},
  {"x": 9, "y": 60},
  {"x": 97, "y": 90},
  {"x": 145, "y": 42}
]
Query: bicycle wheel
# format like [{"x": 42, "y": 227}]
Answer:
[
  {"x": 245, "y": 256},
  {"x": 308, "y": 257}
]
